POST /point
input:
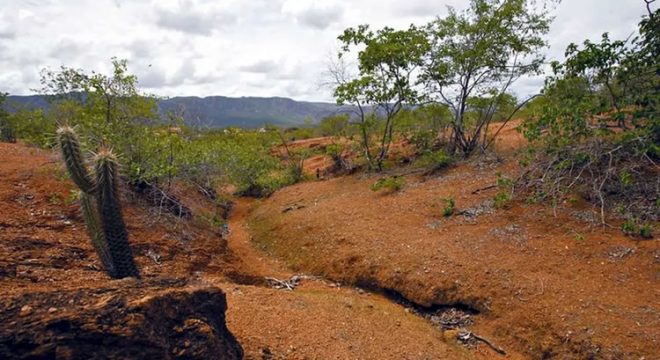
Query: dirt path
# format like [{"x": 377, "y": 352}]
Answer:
[
  {"x": 239, "y": 242},
  {"x": 320, "y": 319}
]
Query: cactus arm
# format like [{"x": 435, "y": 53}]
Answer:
[
  {"x": 73, "y": 159},
  {"x": 112, "y": 222},
  {"x": 95, "y": 232}
]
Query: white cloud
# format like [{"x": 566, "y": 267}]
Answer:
[
  {"x": 237, "y": 47},
  {"x": 193, "y": 17},
  {"x": 260, "y": 67},
  {"x": 314, "y": 13}
]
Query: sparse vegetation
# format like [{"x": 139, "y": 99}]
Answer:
[
  {"x": 646, "y": 231},
  {"x": 6, "y": 129},
  {"x": 596, "y": 129},
  {"x": 434, "y": 160},
  {"x": 449, "y": 208},
  {"x": 502, "y": 200},
  {"x": 390, "y": 183}
]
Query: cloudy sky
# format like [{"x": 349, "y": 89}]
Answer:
[{"x": 237, "y": 47}]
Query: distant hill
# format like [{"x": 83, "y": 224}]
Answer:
[{"x": 221, "y": 111}]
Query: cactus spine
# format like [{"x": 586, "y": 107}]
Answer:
[{"x": 103, "y": 217}]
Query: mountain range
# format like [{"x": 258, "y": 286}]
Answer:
[{"x": 222, "y": 111}]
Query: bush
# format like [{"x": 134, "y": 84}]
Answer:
[
  {"x": 391, "y": 184},
  {"x": 434, "y": 160},
  {"x": 32, "y": 126},
  {"x": 646, "y": 231},
  {"x": 596, "y": 129},
  {"x": 630, "y": 227},
  {"x": 449, "y": 207},
  {"x": 502, "y": 200}
]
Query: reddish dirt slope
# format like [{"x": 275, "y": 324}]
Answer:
[
  {"x": 46, "y": 262},
  {"x": 547, "y": 285}
]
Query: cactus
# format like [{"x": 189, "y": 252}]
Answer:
[
  {"x": 103, "y": 217},
  {"x": 114, "y": 229}
]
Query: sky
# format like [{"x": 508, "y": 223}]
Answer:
[{"x": 239, "y": 47}]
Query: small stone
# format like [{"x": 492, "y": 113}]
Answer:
[
  {"x": 25, "y": 310},
  {"x": 52, "y": 310}
]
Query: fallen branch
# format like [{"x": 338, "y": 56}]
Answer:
[
  {"x": 484, "y": 189},
  {"x": 466, "y": 335},
  {"x": 289, "y": 284}
]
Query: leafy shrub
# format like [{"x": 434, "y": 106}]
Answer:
[
  {"x": 434, "y": 160},
  {"x": 646, "y": 231},
  {"x": 423, "y": 140},
  {"x": 6, "y": 129},
  {"x": 631, "y": 228},
  {"x": 245, "y": 160},
  {"x": 391, "y": 183},
  {"x": 334, "y": 125},
  {"x": 596, "y": 129},
  {"x": 32, "y": 126},
  {"x": 449, "y": 207},
  {"x": 503, "y": 181},
  {"x": 502, "y": 200}
]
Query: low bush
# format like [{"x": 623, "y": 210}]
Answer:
[
  {"x": 434, "y": 160},
  {"x": 391, "y": 184},
  {"x": 449, "y": 207}
]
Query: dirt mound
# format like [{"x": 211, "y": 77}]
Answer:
[
  {"x": 545, "y": 283},
  {"x": 131, "y": 320}
]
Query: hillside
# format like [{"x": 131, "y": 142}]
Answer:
[
  {"x": 548, "y": 283},
  {"x": 379, "y": 275},
  {"x": 221, "y": 111}
]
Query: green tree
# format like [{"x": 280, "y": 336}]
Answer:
[
  {"x": 387, "y": 63},
  {"x": 334, "y": 125},
  {"x": 479, "y": 53},
  {"x": 107, "y": 109},
  {"x": 591, "y": 91}
]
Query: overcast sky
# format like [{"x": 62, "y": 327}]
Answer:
[{"x": 237, "y": 48}]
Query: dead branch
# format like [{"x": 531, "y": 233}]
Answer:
[
  {"x": 497, "y": 349},
  {"x": 483, "y": 189},
  {"x": 465, "y": 336}
]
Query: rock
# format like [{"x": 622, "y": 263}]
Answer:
[
  {"x": 180, "y": 322},
  {"x": 25, "y": 311}
]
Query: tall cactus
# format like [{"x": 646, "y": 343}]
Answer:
[{"x": 103, "y": 217}]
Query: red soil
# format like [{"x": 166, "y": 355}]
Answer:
[
  {"x": 45, "y": 255},
  {"x": 546, "y": 284}
]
